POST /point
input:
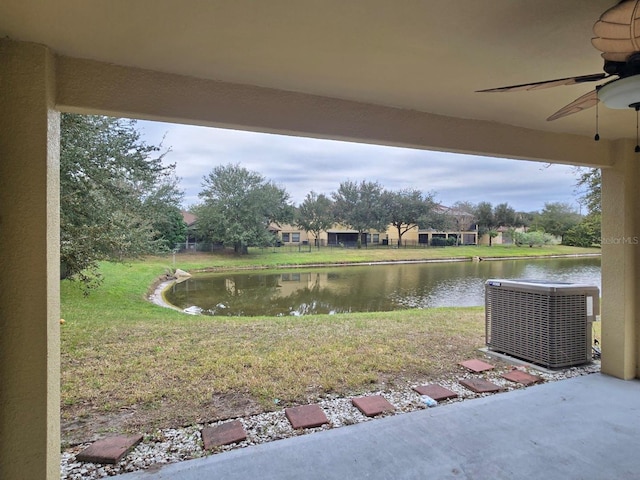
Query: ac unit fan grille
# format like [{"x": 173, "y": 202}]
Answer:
[{"x": 550, "y": 330}]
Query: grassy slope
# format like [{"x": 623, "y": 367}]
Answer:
[{"x": 120, "y": 353}]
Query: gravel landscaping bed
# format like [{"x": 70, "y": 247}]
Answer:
[{"x": 178, "y": 444}]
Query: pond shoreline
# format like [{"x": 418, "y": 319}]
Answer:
[
  {"x": 391, "y": 262},
  {"x": 163, "y": 283},
  {"x": 540, "y": 257}
]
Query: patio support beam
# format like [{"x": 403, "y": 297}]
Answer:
[
  {"x": 30, "y": 282},
  {"x": 620, "y": 263},
  {"x": 86, "y": 86}
]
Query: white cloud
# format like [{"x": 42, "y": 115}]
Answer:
[{"x": 304, "y": 164}]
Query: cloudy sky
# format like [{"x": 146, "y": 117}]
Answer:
[{"x": 303, "y": 164}]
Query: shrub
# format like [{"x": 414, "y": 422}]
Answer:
[
  {"x": 534, "y": 238},
  {"x": 585, "y": 234},
  {"x": 438, "y": 242}
]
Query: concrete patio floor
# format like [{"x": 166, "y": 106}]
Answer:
[{"x": 582, "y": 428}]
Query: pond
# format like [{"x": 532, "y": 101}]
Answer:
[{"x": 329, "y": 290}]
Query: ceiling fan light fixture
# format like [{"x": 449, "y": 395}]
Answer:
[{"x": 622, "y": 93}]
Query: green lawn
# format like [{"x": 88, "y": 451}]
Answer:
[{"x": 128, "y": 365}]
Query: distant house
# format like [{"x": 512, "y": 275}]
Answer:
[
  {"x": 503, "y": 236},
  {"x": 346, "y": 237},
  {"x": 462, "y": 225},
  {"x": 190, "y": 220},
  {"x": 462, "y": 229},
  {"x": 336, "y": 235},
  {"x": 290, "y": 234}
]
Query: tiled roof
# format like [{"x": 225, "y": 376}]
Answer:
[{"x": 188, "y": 217}]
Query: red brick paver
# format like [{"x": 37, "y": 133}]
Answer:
[
  {"x": 479, "y": 385},
  {"x": 372, "y": 405},
  {"x": 109, "y": 450},
  {"x": 306, "y": 416},
  {"x": 476, "y": 365},
  {"x": 223, "y": 434},
  {"x": 436, "y": 392},
  {"x": 519, "y": 376}
]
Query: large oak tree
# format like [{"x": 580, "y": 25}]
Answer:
[
  {"x": 117, "y": 198},
  {"x": 238, "y": 206},
  {"x": 407, "y": 209},
  {"x": 315, "y": 214},
  {"x": 361, "y": 207}
]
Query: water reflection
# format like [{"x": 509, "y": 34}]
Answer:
[{"x": 365, "y": 288}]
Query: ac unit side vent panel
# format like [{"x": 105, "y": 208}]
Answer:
[{"x": 543, "y": 325}]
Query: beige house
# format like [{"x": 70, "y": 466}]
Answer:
[
  {"x": 502, "y": 236},
  {"x": 340, "y": 235},
  {"x": 388, "y": 73},
  {"x": 336, "y": 235},
  {"x": 465, "y": 233},
  {"x": 499, "y": 239},
  {"x": 292, "y": 235}
]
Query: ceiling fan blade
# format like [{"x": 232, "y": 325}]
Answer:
[
  {"x": 548, "y": 83},
  {"x": 587, "y": 100}
]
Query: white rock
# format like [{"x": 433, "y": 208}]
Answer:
[
  {"x": 181, "y": 273},
  {"x": 177, "y": 444}
]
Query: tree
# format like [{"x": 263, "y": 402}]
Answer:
[
  {"x": 108, "y": 178},
  {"x": 486, "y": 220},
  {"x": 590, "y": 182},
  {"x": 315, "y": 215},
  {"x": 437, "y": 219},
  {"x": 162, "y": 205},
  {"x": 524, "y": 219},
  {"x": 170, "y": 227},
  {"x": 489, "y": 218},
  {"x": 238, "y": 206},
  {"x": 585, "y": 234},
  {"x": 463, "y": 206},
  {"x": 461, "y": 217},
  {"x": 360, "y": 206},
  {"x": 504, "y": 215},
  {"x": 556, "y": 218},
  {"x": 588, "y": 231},
  {"x": 406, "y": 208}
]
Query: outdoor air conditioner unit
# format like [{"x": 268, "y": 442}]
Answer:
[{"x": 546, "y": 323}]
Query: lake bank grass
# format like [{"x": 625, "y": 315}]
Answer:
[{"x": 129, "y": 365}]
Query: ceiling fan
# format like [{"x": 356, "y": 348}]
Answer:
[{"x": 618, "y": 38}]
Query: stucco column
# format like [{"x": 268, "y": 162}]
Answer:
[
  {"x": 620, "y": 267},
  {"x": 29, "y": 279}
]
